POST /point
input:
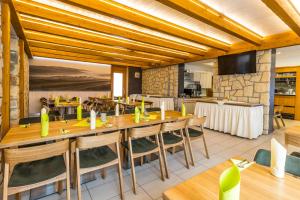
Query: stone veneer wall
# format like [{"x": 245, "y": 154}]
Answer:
[
  {"x": 250, "y": 88},
  {"x": 160, "y": 81}
]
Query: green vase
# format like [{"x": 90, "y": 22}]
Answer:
[
  {"x": 230, "y": 184},
  {"x": 79, "y": 112},
  {"x": 44, "y": 125},
  {"x": 183, "y": 110},
  {"x": 136, "y": 115}
]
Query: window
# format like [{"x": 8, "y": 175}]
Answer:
[{"x": 118, "y": 84}]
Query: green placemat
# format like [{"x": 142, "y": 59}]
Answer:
[{"x": 85, "y": 123}]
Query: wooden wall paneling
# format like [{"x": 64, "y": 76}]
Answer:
[
  {"x": 6, "y": 22},
  {"x": 22, "y": 79}
]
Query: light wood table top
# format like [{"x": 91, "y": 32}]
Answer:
[
  {"x": 18, "y": 135},
  {"x": 292, "y": 136},
  {"x": 135, "y": 103},
  {"x": 67, "y": 104},
  {"x": 256, "y": 183}
]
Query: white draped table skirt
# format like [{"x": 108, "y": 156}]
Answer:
[{"x": 242, "y": 121}]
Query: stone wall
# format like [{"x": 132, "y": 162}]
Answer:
[
  {"x": 160, "y": 81},
  {"x": 250, "y": 88}
]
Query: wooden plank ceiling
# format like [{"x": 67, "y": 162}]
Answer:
[{"x": 141, "y": 39}]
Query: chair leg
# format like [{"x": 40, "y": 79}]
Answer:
[
  {"x": 132, "y": 168},
  {"x": 78, "y": 175},
  {"x": 282, "y": 120},
  {"x": 60, "y": 187},
  {"x": 120, "y": 174},
  {"x": 103, "y": 173},
  {"x": 18, "y": 196},
  {"x": 277, "y": 122},
  {"x": 5, "y": 182},
  {"x": 185, "y": 154},
  {"x": 160, "y": 160},
  {"x": 68, "y": 176},
  {"x": 188, "y": 139},
  {"x": 205, "y": 147},
  {"x": 164, "y": 154}
]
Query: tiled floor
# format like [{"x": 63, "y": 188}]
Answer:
[{"x": 221, "y": 147}]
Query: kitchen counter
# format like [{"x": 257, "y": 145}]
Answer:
[{"x": 276, "y": 94}]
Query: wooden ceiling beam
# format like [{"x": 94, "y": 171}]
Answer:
[
  {"x": 70, "y": 18},
  {"x": 270, "y": 42},
  {"x": 123, "y": 12},
  {"x": 286, "y": 12},
  {"x": 68, "y": 31},
  {"x": 15, "y": 21},
  {"x": 98, "y": 59},
  {"x": 47, "y": 45},
  {"x": 204, "y": 13},
  {"x": 45, "y": 37}
]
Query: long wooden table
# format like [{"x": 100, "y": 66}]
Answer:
[
  {"x": 256, "y": 183},
  {"x": 18, "y": 136}
]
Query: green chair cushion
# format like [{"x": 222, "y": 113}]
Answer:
[
  {"x": 170, "y": 138},
  {"x": 96, "y": 156},
  {"x": 194, "y": 133},
  {"x": 296, "y": 154},
  {"x": 292, "y": 163},
  {"x": 141, "y": 145},
  {"x": 37, "y": 171}
]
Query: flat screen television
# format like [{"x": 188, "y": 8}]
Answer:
[{"x": 243, "y": 63}]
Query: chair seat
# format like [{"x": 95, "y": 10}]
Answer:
[
  {"x": 37, "y": 171},
  {"x": 194, "y": 133},
  {"x": 170, "y": 138},
  {"x": 96, "y": 156},
  {"x": 296, "y": 154},
  {"x": 141, "y": 145}
]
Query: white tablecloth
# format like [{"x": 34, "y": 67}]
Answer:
[
  {"x": 242, "y": 121},
  {"x": 157, "y": 101}
]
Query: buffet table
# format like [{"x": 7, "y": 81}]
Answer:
[
  {"x": 236, "y": 118},
  {"x": 157, "y": 100}
]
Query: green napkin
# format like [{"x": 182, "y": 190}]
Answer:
[
  {"x": 79, "y": 112},
  {"x": 86, "y": 123},
  {"x": 44, "y": 125},
  {"x": 230, "y": 184},
  {"x": 143, "y": 106},
  {"x": 136, "y": 115},
  {"x": 183, "y": 110}
]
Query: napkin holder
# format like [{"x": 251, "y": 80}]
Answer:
[
  {"x": 93, "y": 120},
  {"x": 278, "y": 157}
]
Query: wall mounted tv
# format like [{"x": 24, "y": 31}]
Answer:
[{"x": 243, "y": 63}]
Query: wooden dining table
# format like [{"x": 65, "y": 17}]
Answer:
[
  {"x": 256, "y": 183},
  {"x": 30, "y": 134},
  {"x": 292, "y": 136}
]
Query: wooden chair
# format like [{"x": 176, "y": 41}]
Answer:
[
  {"x": 277, "y": 114},
  {"x": 139, "y": 145},
  {"x": 169, "y": 139},
  {"x": 93, "y": 153},
  {"x": 32, "y": 167},
  {"x": 194, "y": 131}
]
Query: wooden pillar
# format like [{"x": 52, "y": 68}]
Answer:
[
  {"x": 5, "y": 17},
  {"x": 22, "y": 79}
]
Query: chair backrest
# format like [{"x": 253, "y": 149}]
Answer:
[
  {"x": 173, "y": 126},
  {"x": 22, "y": 155},
  {"x": 98, "y": 141},
  {"x": 152, "y": 109},
  {"x": 278, "y": 109},
  {"x": 292, "y": 163},
  {"x": 196, "y": 121},
  {"x": 144, "y": 131},
  {"x": 31, "y": 120},
  {"x": 70, "y": 116},
  {"x": 128, "y": 111}
]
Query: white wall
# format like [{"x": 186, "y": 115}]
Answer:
[{"x": 288, "y": 56}]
